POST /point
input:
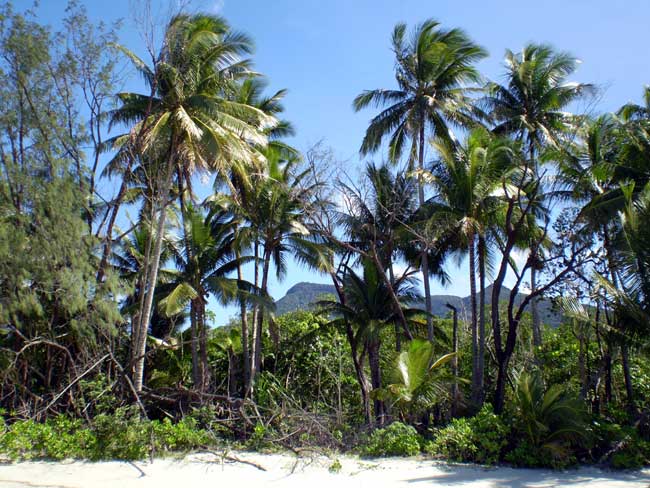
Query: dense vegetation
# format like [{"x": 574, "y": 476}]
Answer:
[{"x": 107, "y": 348}]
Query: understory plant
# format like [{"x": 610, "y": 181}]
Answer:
[
  {"x": 549, "y": 424},
  {"x": 479, "y": 439},
  {"x": 397, "y": 439}
]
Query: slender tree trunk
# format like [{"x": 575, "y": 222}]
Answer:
[
  {"x": 398, "y": 329},
  {"x": 203, "y": 345},
  {"x": 474, "y": 321},
  {"x": 375, "y": 378},
  {"x": 425, "y": 253},
  {"x": 481, "y": 322},
  {"x": 254, "y": 334},
  {"x": 627, "y": 376},
  {"x": 582, "y": 370},
  {"x": 260, "y": 316},
  {"x": 244, "y": 331},
  {"x": 151, "y": 285},
  {"x": 454, "y": 361},
  {"x": 194, "y": 345},
  {"x": 502, "y": 377},
  {"x": 608, "y": 373},
  {"x": 534, "y": 311}
]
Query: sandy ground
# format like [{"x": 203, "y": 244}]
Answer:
[{"x": 206, "y": 470}]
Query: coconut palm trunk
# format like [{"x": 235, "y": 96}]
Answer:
[
  {"x": 145, "y": 313},
  {"x": 425, "y": 256},
  {"x": 260, "y": 316},
  {"x": 481, "y": 320},
  {"x": 254, "y": 334},
  {"x": 474, "y": 322},
  {"x": 244, "y": 329}
]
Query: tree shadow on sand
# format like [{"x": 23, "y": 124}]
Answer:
[{"x": 458, "y": 475}]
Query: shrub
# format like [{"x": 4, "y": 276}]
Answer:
[
  {"x": 621, "y": 445},
  {"x": 59, "y": 438},
  {"x": 122, "y": 435},
  {"x": 479, "y": 439},
  {"x": 395, "y": 440},
  {"x": 557, "y": 455}
]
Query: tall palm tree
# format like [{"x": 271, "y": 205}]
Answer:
[
  {"x": 432, "y": 68},
  {"x": 531, "y": 106},
  {"x": 187, "y": 121},
  {"x": 468, "y": 180},
  {"x": 276, "y": 210},
  {"x": 203, "y": 270}
]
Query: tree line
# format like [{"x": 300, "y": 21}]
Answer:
[{"x": 505, "y": 175}]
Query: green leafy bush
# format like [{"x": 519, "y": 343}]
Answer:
[
  {"x": 621, "y": 445},
  {"x": 395, "y": 440},
  {"x": 122, "y": 435},
  {"x": 479, "y": 439}
]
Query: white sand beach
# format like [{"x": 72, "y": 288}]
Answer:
[{"x": 206, "y": 470}]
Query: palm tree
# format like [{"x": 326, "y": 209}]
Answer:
[
  {"x": 417, "y": 382},
  {"x": 431, "y": 70},
  {"x": 549, "y": 418},
  {"x": 203, "y": 270},
  {"x": 187, "y": 123},
  {"x": 468, "y": 181},
  {"x": 531, "y": 106},
  {"x": 368, "y": 309},
  {"x": 251, "y": 92},
  {"x": 276, "y": 207},
  {"x": 382, "y": 220}
]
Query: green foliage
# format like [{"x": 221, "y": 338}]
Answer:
[
  {"x": 549, "y": 423},
  {"x": 414, "y": 377},
  {"x": 335, "y": 467},
  {"x": 479, "y": 439},
  {"x": 122, "y": 435},
  {"x": 397, "y": 439},
  {"x": 620, "y": 445}
]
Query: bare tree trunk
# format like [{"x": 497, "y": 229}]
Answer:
[
  {"x": 425, "y": 254},
  {"x": 203, "y": 345},
  {"x": 454, "y": 361},
  {"x": 474, "y": 322},
  {"x": 398, "y": 331},
  {"x": 254, "y": 334},
  {"x": 481, "y": 321},
  {"x": 260, "y": 316},
  {"x": 194, "y": 345},
  {"x": 145, "y": 315},
  {"x": 534, "y": 311},
  {"x": 244, "y": 331}
]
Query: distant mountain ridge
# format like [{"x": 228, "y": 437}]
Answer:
[{"x": 303, "y": 295}]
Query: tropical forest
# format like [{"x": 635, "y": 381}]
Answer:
[{"x": 145, "y": 225}]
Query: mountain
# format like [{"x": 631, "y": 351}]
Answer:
[{"x": 303, "y": 295}]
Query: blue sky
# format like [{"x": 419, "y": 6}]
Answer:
[{"x": 326, "y": 52}]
